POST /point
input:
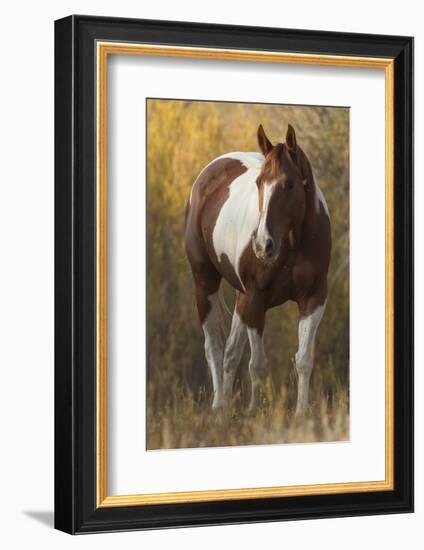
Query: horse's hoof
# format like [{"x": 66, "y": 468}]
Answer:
[
  {"x": 217, "y": 408},
  {"x": 300, "y": 415}
]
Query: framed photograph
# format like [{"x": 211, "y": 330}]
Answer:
[{"x": 234, "y": 274}]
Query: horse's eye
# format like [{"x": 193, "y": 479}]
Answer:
[{"x": 289, "y": 184}]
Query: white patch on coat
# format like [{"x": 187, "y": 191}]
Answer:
[
  {"x": 214, "y": 346},
  {"x": 234, "y": 347},
  {"x": 257, "y": 353},
  {"x": 307, "y": 330},
  {"x": 249, "y": 160},
  {"x": 235, "y": 342},
  {"x": 319, "y": 198},
  {"x": 239, "y": 215},
  {"x": 305, "y": 355},
  {"x": 263, "y": 233},
  {"x": 257, "y": 363}
]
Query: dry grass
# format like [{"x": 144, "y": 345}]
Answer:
[{"x": 184, "y": 422}]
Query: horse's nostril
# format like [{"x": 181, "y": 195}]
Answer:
[{"x": 269, "y": 247}]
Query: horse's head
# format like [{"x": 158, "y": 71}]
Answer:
[{"x": 281, "y": 198}]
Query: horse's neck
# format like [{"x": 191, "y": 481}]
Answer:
[
  {"x": 311, "y": 191},
  {"x": 312, "y": 202}
]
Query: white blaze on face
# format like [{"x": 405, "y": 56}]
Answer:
[{"x": 263, "y": 234}]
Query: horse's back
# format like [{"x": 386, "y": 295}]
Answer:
[{"x": 221, "y": 171}]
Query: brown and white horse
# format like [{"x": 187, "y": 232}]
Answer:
[{"x": 261, "y": 222}]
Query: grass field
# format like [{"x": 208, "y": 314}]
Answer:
[{"x": 185, "y": 422}]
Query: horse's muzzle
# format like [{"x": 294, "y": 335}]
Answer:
[{"x": 267, "y": 253}]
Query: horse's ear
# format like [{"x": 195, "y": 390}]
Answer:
[
  {"x": 264, "y": 143},
  {"x": 291, "y": 140}
]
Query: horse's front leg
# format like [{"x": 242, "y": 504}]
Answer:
[
  {"x": 254, "y": 317},
  {"x": 257, "y": 366},
  {"x": 311, "y": 312}
]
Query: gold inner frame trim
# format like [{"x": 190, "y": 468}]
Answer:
[{"x": 103, "y": 50}]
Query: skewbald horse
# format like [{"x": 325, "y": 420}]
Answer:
[{"x": 261, "y": 222}]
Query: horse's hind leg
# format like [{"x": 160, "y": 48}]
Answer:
[
  {"x": 210, "y": 315},
  {"x": 233, "y": 350}
]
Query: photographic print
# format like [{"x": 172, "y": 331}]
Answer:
[
  {"x": 220, "y": 297},
  {"x": 247, "y": 274}
]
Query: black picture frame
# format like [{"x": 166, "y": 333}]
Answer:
[{"x": 76, "y": 510}]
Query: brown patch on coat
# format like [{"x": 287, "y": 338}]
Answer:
[{"x": 210, "y": 191}]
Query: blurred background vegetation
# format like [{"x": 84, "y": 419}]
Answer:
[{"x": 182, "y": 137}]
